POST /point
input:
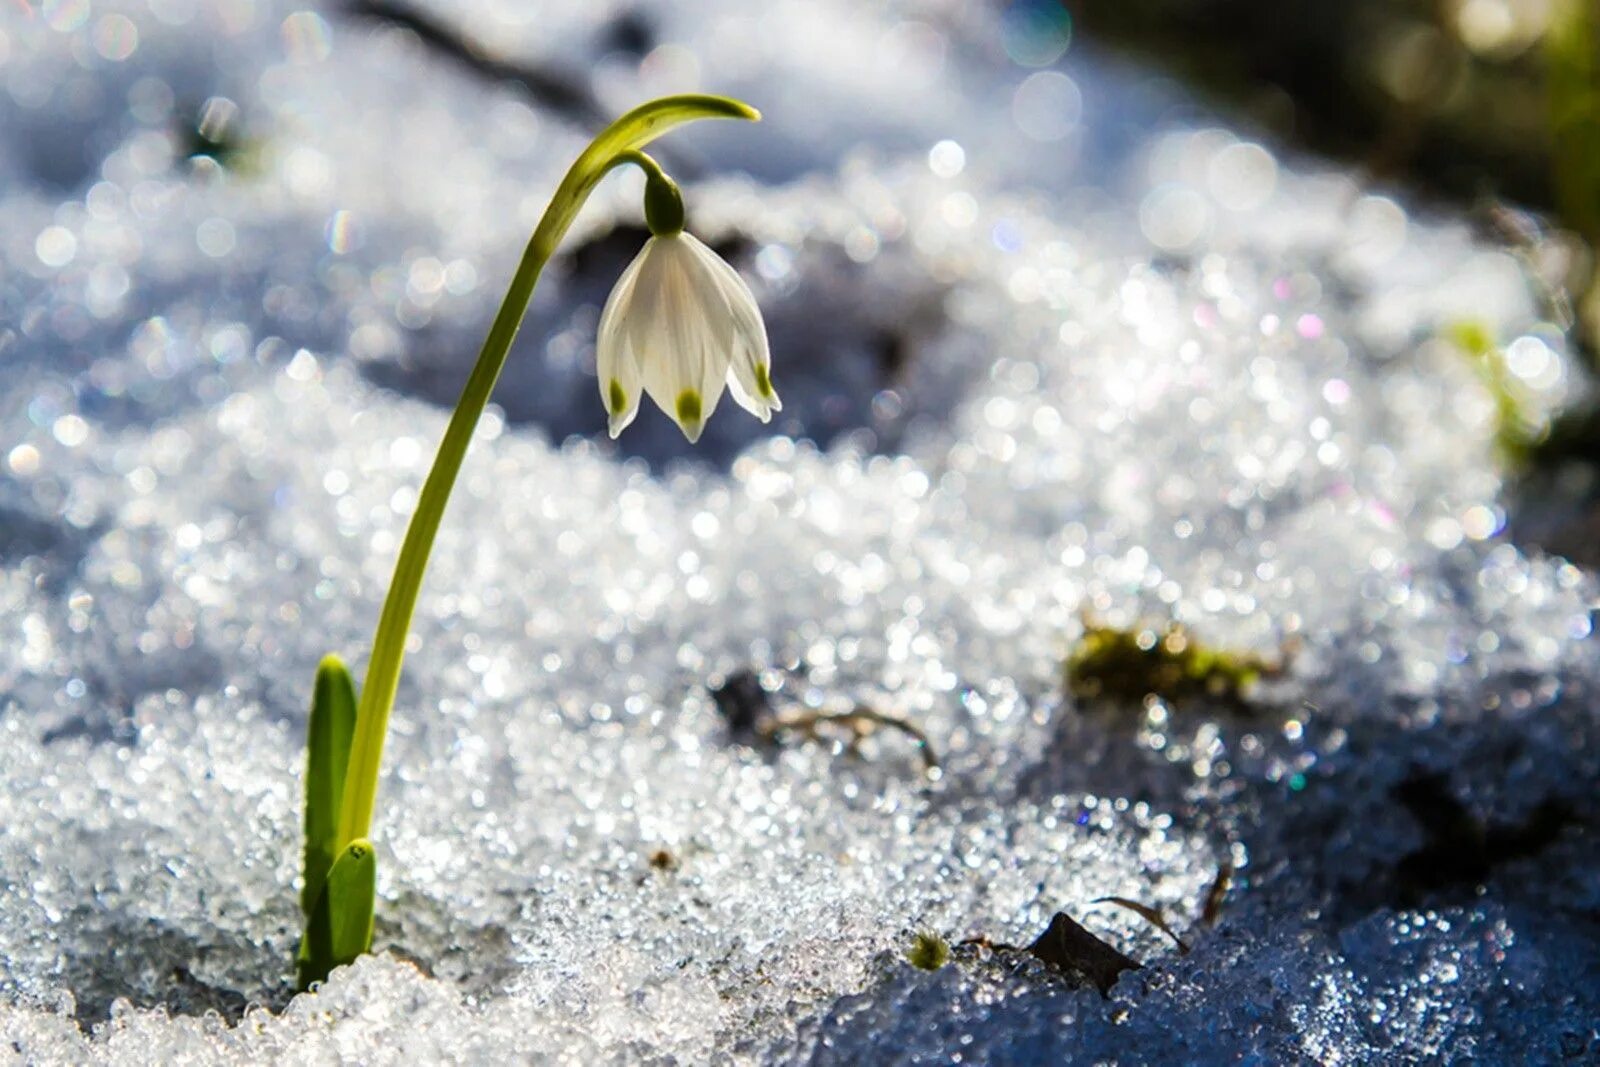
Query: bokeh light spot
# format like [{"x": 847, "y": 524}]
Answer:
[{"x": 1035, "y": 33}]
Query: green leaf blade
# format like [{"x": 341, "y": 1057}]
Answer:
[
  {"x": 329, "y": 732},
  {"x": 351, "y": 891},
  {"x": 339, "y": 923}
]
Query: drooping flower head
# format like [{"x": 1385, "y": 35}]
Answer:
[{"x": 680, "y": 325}]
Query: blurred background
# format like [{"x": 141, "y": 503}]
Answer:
[
  {"x": 1484, "y": 109},
  {"x": 1490, "y": 108},
  {"x": 1481, "y": 103}
]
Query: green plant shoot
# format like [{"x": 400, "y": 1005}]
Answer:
[
  {"x": 332, "y": 725},
  {"x": 340, "y": 862}
]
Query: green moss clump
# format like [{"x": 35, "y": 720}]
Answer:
[
  {"x": 1126, "y": 665},
  {"x": 1518, "y": 428},
  {"x": 928, "y": 951}
]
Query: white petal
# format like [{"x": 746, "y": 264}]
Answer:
[
  {"x": 673, "y": 330},
  {"x": 617, "y": 368},
  {"x": 710, "y": 271},
  {"x": 744, "y": 399},
  {"x": 751, "y": 384},
  {"x": 751, "y": 361},
  {"x": 713, "y": 377},
  {"x": 645, "y": 296},
  {"x": 621, "y": 390}
]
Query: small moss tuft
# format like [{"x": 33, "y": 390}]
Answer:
[
  {"x": 1126, "y": 665},
  {"x": 1518, "y": 427},
  {"x": 928, "y": 951}
]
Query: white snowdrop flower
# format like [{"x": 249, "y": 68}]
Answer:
[{"x": 680, "y": 325}]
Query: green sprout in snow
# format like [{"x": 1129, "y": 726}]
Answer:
[
  {"x": 680, "y": 326},
  {"x": 1125, "y": 665}
]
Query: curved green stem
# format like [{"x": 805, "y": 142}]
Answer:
[{"x": 613, "y": 146}]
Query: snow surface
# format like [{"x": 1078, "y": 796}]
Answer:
[{"x": 1120, "y": 368}]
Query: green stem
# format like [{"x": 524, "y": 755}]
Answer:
[{"x": 613, "y": 146}]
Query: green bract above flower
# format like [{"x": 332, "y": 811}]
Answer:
[{"x": 680, "y": 324}]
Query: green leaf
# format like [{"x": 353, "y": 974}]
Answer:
[
  {"x": 352, "y": 886},
  {"x": 315, "y": 958},
  {"x": 339, "y": 923},
  {"x": 332, "y": 724}
]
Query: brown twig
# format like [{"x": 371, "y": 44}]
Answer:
[
  {"x": 1150, "y": 915},
  {"x": 860, "y": 721},
  {"x": 1217, "y": 894}
]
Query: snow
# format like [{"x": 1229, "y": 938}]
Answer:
[{"x": 1144, "y": 369}]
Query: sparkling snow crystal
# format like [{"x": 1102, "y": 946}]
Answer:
[{"x": 1039, "y": 374}]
